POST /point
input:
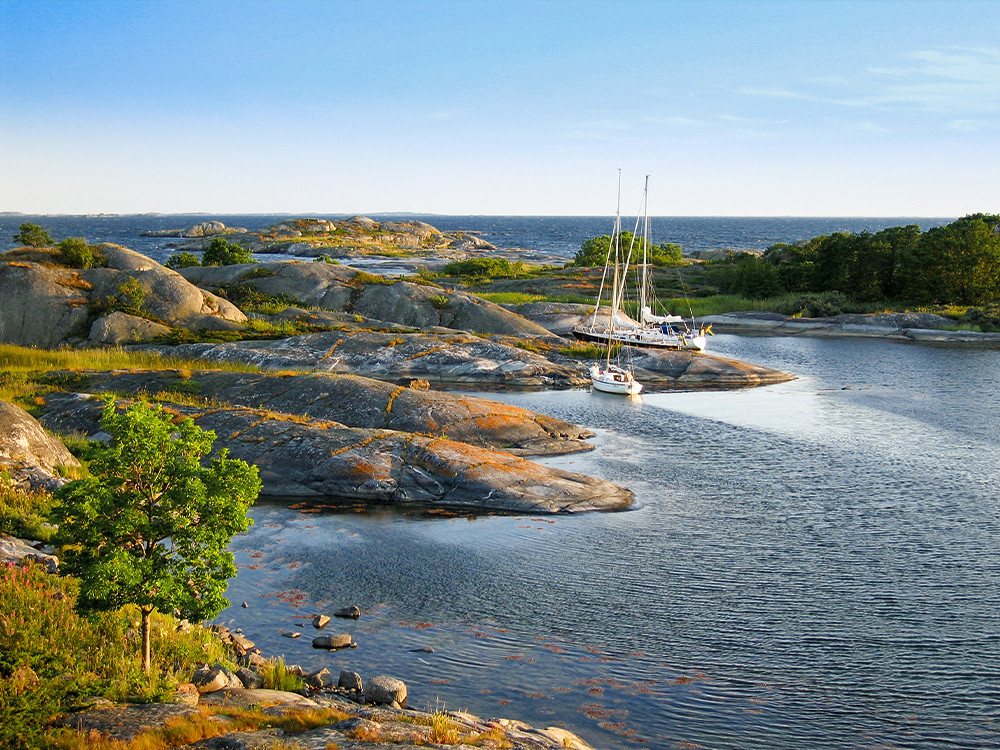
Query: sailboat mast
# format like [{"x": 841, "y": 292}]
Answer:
[{"x": 645, "y": 251}]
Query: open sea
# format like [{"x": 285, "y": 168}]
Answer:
[
  {"x": 551, "y": 235},
  {"x": 810, "y": 565}
]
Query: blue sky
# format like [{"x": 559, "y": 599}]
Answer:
[{"x": 804, "y": 108}]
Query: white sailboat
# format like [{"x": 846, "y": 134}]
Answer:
[
  {"x": 651, "y": 331},
  {"x": 612, "y": 377}
]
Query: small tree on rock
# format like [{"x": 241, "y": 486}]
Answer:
[
  {"x": 32, "y": 235},
  {"x": 151, "y": 525}
]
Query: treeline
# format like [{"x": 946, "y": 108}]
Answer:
[{"x": 956, "y": 264}]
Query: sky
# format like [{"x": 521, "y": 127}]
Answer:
[{"x": 734, "y": 108}]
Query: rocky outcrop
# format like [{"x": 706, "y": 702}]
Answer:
[
  {"x": 344, "y": 289},
  {"x": 49, "y": 306},
  {"x": 688, "y": 370},
  {"x": 202, "y": 229},
  {"x": 120, "y": 328},
  {"x": 363, "y": 402},
  {"x": 28, "y": 455},
  {"x": 924, "y": 328},
  {"x": 453, "y": 359},
  {"x": 317, "y": 460},
  {"x": 18, "y": 551}
]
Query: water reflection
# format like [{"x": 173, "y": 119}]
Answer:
[{"x": 808, "y": 566}]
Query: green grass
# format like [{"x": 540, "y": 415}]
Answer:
[{"x": 42, "y": 637}]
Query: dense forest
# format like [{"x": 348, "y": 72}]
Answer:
[{"x": 955, "y": 264}]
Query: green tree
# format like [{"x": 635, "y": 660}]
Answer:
[
  {"x": 594, "y": 252},
  {"x": 151, "y": 525},
  {"x": 221, "y": 252},
  {"x": 182, "y": 260},
  {"x": 33, "y": 235},
  {"x": 76, "y": 253}
]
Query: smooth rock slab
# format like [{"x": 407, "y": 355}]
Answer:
[
  {"x": 356, "y": 401},
  {"x": 302, "y": 458}
]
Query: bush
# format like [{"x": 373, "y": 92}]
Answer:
[
  {"x": 223, "y": 253},
  {"x": 74, "y": 252},
  {"x": 182, "y": 260},
  {"x": 32, "y": 235},
  {"x": 817, "y": 305},
  {"x": 485, "y": 268},
  {"x": 440, "y": 302}
]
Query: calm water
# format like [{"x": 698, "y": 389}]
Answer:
[
  {"x": 557, "y": 235},
  {"x": 813, "y": 565}
]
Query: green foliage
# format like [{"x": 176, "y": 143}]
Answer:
[
  {"x": 277, "y": 677},
  {"x": 594, "y": 252},
  {"x": 326, "y": 259},
  {"x": 42, "y": 638},
  {"x": 817, "y": 305},
  {"x": 131, "y": 296},
  {"x": 22, "y": 513},
  {"x": 984, "y": 319},
  {"x": 485, "y": 268},
  {"x": 221, "y": 252},
  {"x": 249, "y": 299},
  {"x": 32, "y": 235},
  {"x": 363, "y": 278},
  {"x": 74, "y": 252},
  {"x": 182, "y": 260},
  {"x": 440, "y": 302},
  {"x": 151, "y": 525},
  {"x": 258, "y": 273}
]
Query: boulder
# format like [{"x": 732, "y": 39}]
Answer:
[
  {"x": 321, "y": 678},
  {"x": 240, "y": 697},
  {"x": 28, "y": 454},
  {"x": 353, "y": 612},
  {"x": 320, "y": 621},
  {"x": 121, "y": 328},
  {"x": 345, "y": 289},
  {"x": 350, "y": 681},
  {"x": 48, "y": 306},
  {"x": 250, "y": 679},
  {"x": 384, "y": 691},
  {"x": 334, "y": 642},
  {"x": 187, "y": 694},
  {"x": 210, "y": 679},
  {"x": 314, "y": 459},
  {"x": 14, "y": 550}
]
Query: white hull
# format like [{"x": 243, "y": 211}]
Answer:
[
  {"x": 614, "y": 379},
  {"x": 647, "y": 338}
]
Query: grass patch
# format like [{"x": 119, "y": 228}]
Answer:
[
  {"x": 277, "y": 677},
  {"x": 41, "y": 640},
  {"x": 23, "y": 514},
  {"x": 583, "y": 350}
]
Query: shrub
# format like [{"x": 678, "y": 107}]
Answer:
[
  {"x": 485, "y": 268},
  {"x": 277, "y": 677},
  {"x": 818, "y": 305},
  {"x": 74, "y": 252},
  {"x": 182, "y": 260},
  {"x": 440, "y": 302},
  {"x": 221, "y": 252}
]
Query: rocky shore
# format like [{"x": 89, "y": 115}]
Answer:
[{"x": 917, "y": 328}]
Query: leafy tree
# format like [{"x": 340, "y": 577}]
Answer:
[
  {"x": 221, "y": 252},
  {"x": 182, "y": 260},
  {"x": 32, "y": 235},
  {"x": 151, "y": 525},
  {"x": 594, "y": 252},
  {"x": 76, "y": 253}
]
